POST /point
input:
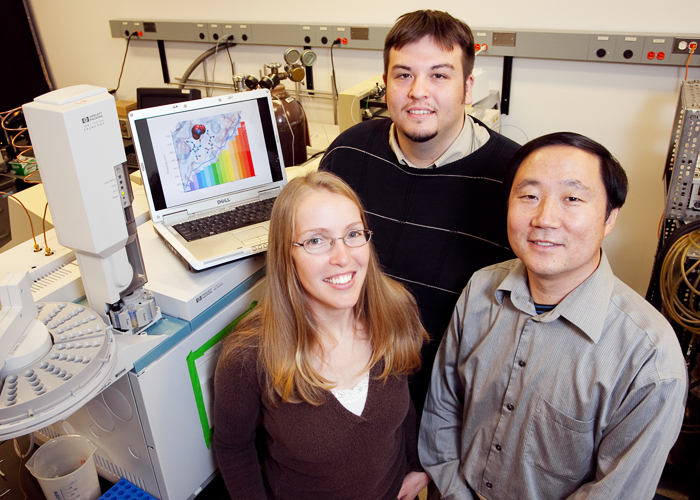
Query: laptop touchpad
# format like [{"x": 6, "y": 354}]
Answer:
[{"x": 250, "y": 234}]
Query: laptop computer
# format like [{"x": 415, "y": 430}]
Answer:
[{"x": 208, "y": 166}]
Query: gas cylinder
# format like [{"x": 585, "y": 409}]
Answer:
[{"x": 291, "y": 125}]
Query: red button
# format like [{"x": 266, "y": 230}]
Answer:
[
  {"x": 651, "y": 55},
  {"x": 345, "y": 41},
  {"x": 477, "y": 47},
  {"x": 660, "y": 56}
]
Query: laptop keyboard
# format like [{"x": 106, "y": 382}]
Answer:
[{"x": 242, "y": 216}]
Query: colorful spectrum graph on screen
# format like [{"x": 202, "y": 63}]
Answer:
[
  {"x": 233, "y": 163},
  {"x": 212, "y": 151}
]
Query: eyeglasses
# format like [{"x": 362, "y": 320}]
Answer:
[{"x": 322, "y": 244}]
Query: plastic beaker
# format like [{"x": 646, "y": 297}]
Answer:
[{"x": 65, "y": 468}]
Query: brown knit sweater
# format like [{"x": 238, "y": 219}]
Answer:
[{"x": 320, "y": 452}]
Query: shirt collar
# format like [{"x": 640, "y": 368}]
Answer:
[
  {"x": 586, "y": 306},
  {"x": 471, "y": 138}
]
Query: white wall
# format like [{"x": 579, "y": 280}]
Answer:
[{"x": 628, "y": 108}]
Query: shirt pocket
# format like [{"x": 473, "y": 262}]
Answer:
[{"x": 559, "y": 444}]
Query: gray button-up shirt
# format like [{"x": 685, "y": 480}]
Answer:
[{"x": 584, "y": 401}]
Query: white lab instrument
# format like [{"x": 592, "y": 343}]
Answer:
[{"x": 77, "y": 142}]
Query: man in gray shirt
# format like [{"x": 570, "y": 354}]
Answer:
[{"x": 554, "y": 379}]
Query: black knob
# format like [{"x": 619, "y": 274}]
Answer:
[
  {"x": 270, "y": 82},
  {"x": 601, "y": 52},
  {"x": 245, "y": 38},
  {"x": 324, "y": 40},
  {"x": 126, "y": 33},
  {"x": 215, "y": 36},
  {"x": 201, "y": 36},
  {"x": 251, "y": 82},
  {"x": 307, "y": 39},
  {"x": 627, "y": 54}
]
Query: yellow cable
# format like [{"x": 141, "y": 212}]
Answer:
[
  {"x": 48, "y": 250},
  {"x": 31, "y": 225},
  {"x": 674, "y": 273}
]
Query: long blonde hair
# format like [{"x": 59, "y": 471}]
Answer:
[{"x": 284, "y": 330}]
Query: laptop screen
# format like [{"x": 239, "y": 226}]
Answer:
[{"x": 208, "y": 148}]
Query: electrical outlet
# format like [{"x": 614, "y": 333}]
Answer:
[
  {"x": 681, "y": 45},
  {"x": 200, "y": 32},
  {"x": 215, "y": 32},
  {"x": 602, "y": 47}
]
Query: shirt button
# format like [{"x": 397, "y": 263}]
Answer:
[
  {"x": 489, "y": 485},
  {"x": 522, "y": 363},
  {"x": 498, "y": 447},
  {"x": 510, "y": 407}
]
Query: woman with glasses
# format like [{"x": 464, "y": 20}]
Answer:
[{"x": 321, "y": 363}]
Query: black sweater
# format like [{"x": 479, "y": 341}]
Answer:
[
  {"x": 433, "y": 228},
  {"x": 320, "y": 452}
]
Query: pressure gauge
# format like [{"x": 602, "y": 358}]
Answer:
[
  {"x": 291, "y": 55},
  {"x": 308, "y": 57}
]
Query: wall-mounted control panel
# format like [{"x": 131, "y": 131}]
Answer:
[{"x": 630, "y": 48}]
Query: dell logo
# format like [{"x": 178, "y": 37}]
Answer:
[{"x": 222, "y": 200}]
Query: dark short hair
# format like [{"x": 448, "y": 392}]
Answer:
[
  {"x": 442, "y": 27},
  {"x": 611, "y": 172}
]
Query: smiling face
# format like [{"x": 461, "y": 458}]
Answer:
[
  {"x": 556, "y": 218},
  {"x": 426, "y": 93},
  {"x": 332, "y": 281}
]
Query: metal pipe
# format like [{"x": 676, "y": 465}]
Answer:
[
  {"x": 197, "y": 83},
  {"x": 204, "y": 55}
]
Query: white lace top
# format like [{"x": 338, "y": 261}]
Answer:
[{"x": 354, "y": 399}]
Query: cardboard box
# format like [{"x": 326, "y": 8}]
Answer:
[
  {"x": 24, "y": 167},
  {"x": 125, "y": 107}
]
